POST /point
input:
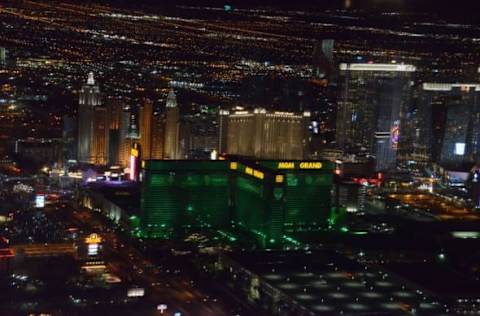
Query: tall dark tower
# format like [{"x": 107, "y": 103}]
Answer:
[
  {"x": 145, "y": 114},
  {"x": 89, "y": 98},
  {"x": 128, "y": 135},
  {"x": 323, "y": 63},
  {"x": 223, "y": 117},
  {"x": 172, "y": 128}
]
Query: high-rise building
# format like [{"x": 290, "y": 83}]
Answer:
[
  {"x": 223, "y": 116},
  {"x": 198, "y": 136},
  {"x": 145, "y": 119},
  {"x": 90, "y": 99},
  {"x": 100, "y": 144},
  {"x": 158, "y": 135},
  {"x": 448, "y": 127},
  {"x": 114, "y": 113},
  {"x": 69, "y": 135},
  {"x": 114, "y": 109},
  {"x": 133, "y": 126},
  {"x": 323, "y": 59},
  {"x": 267, "y": 134},
  {"x": 285, "y": 195},
  {"x": 372, "y": 103},
  {"x": 3, "y": 56},
  {"x": 172, "y": 148},
  {"x": 126, "y": 137}
]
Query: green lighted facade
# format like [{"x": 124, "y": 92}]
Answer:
[
  {"x": 258, "y": 202},
  {"x": 180, "y": 193},
  {"x": 307, "y": 189},
  {"x": 264, "y": 198}
]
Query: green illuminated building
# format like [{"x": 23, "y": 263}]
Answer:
[
  {"x": 264, "y": 198},
  {"x": 176, "y": 193}
]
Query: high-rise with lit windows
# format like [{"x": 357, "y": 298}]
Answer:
[
  {"x": 372, "y": 103},
  {"x": 266, "y": 134},
  {"x": 145, "y": 120},
  {"x": 172, "y": 149},
  {"x": 91, "y": 124},
  {"x": 448, "y": 128}
]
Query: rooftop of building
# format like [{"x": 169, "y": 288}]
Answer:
[
  {"x": 433, "y": 86},
  {"x": 327, "y": 283},
  {"x": 259, "y": 110},
  {"x": 225, "y": 162},
  {"x": 377, "y": 67},
  {"x": 125, "y": 194}
]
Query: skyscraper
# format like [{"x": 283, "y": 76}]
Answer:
[
  {"x": 126, "y": 137},
  {"x": 172, "y": 128},
  {"x": 453, "y": 136},
  {"x": 267, "y": 135},
  {"x": 3, "y": 56},
  {"x": 323, "y": 59},
  {"x": 372, "y": 103},
  {"x": 222, "y": 133},
  {"x": 69, "y": 135},
  {"x": 89, "y": 99},
  {"x": 145, "y": 114},
  {"x": 100, "y": 143},
  {"x": 114, "y": 112},
  {"x": 114, "y": 109},
  {"x": 158, "y": 135}
]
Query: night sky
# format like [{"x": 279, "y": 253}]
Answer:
[{"x": 462, "y": 11}]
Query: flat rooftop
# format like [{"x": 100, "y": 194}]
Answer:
[
  {"x": 125, "y": 194},
  {"x": 326, "y": 283}
]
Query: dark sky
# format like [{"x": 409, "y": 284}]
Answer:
[
  {"x": 456, "y": 5},
  {"x": 460, "y": 10}
]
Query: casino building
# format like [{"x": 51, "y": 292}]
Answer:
[{"x": 262, "y": 198}]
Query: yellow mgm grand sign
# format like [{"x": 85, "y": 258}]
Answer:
[{"x": 299, "y": 165}]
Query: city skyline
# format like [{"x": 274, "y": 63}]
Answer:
[{"x": 232, "y": 158}]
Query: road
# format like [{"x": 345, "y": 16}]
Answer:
[{"x": 163, "y": 286}]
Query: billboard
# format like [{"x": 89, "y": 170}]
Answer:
[
  {"x": 459, "y": 149},
  {"x": 40, "y": 201}
]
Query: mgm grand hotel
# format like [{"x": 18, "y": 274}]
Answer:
[{"x": 264, "y": 199}]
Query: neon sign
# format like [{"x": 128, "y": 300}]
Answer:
[
  {"x": 301, "y": 165},
  {"x": 286, "y": 165},
  {"x": 93, "y": 239},
  {"x": 310, "y": 165}
]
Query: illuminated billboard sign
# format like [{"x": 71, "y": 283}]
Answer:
[
  {"x": 40, "y": 201},
  {"x": 299, "y": 165},
  {"x": 93, "y": 250},
  {"x": 459, "y": 149}
]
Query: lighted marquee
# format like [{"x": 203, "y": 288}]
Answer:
[
  {"x": 460, "y": 149},
  {"x": 40, "y": 201},
  {"x": 93, "y": 239},
  {"x": 299, "y": 165}
]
